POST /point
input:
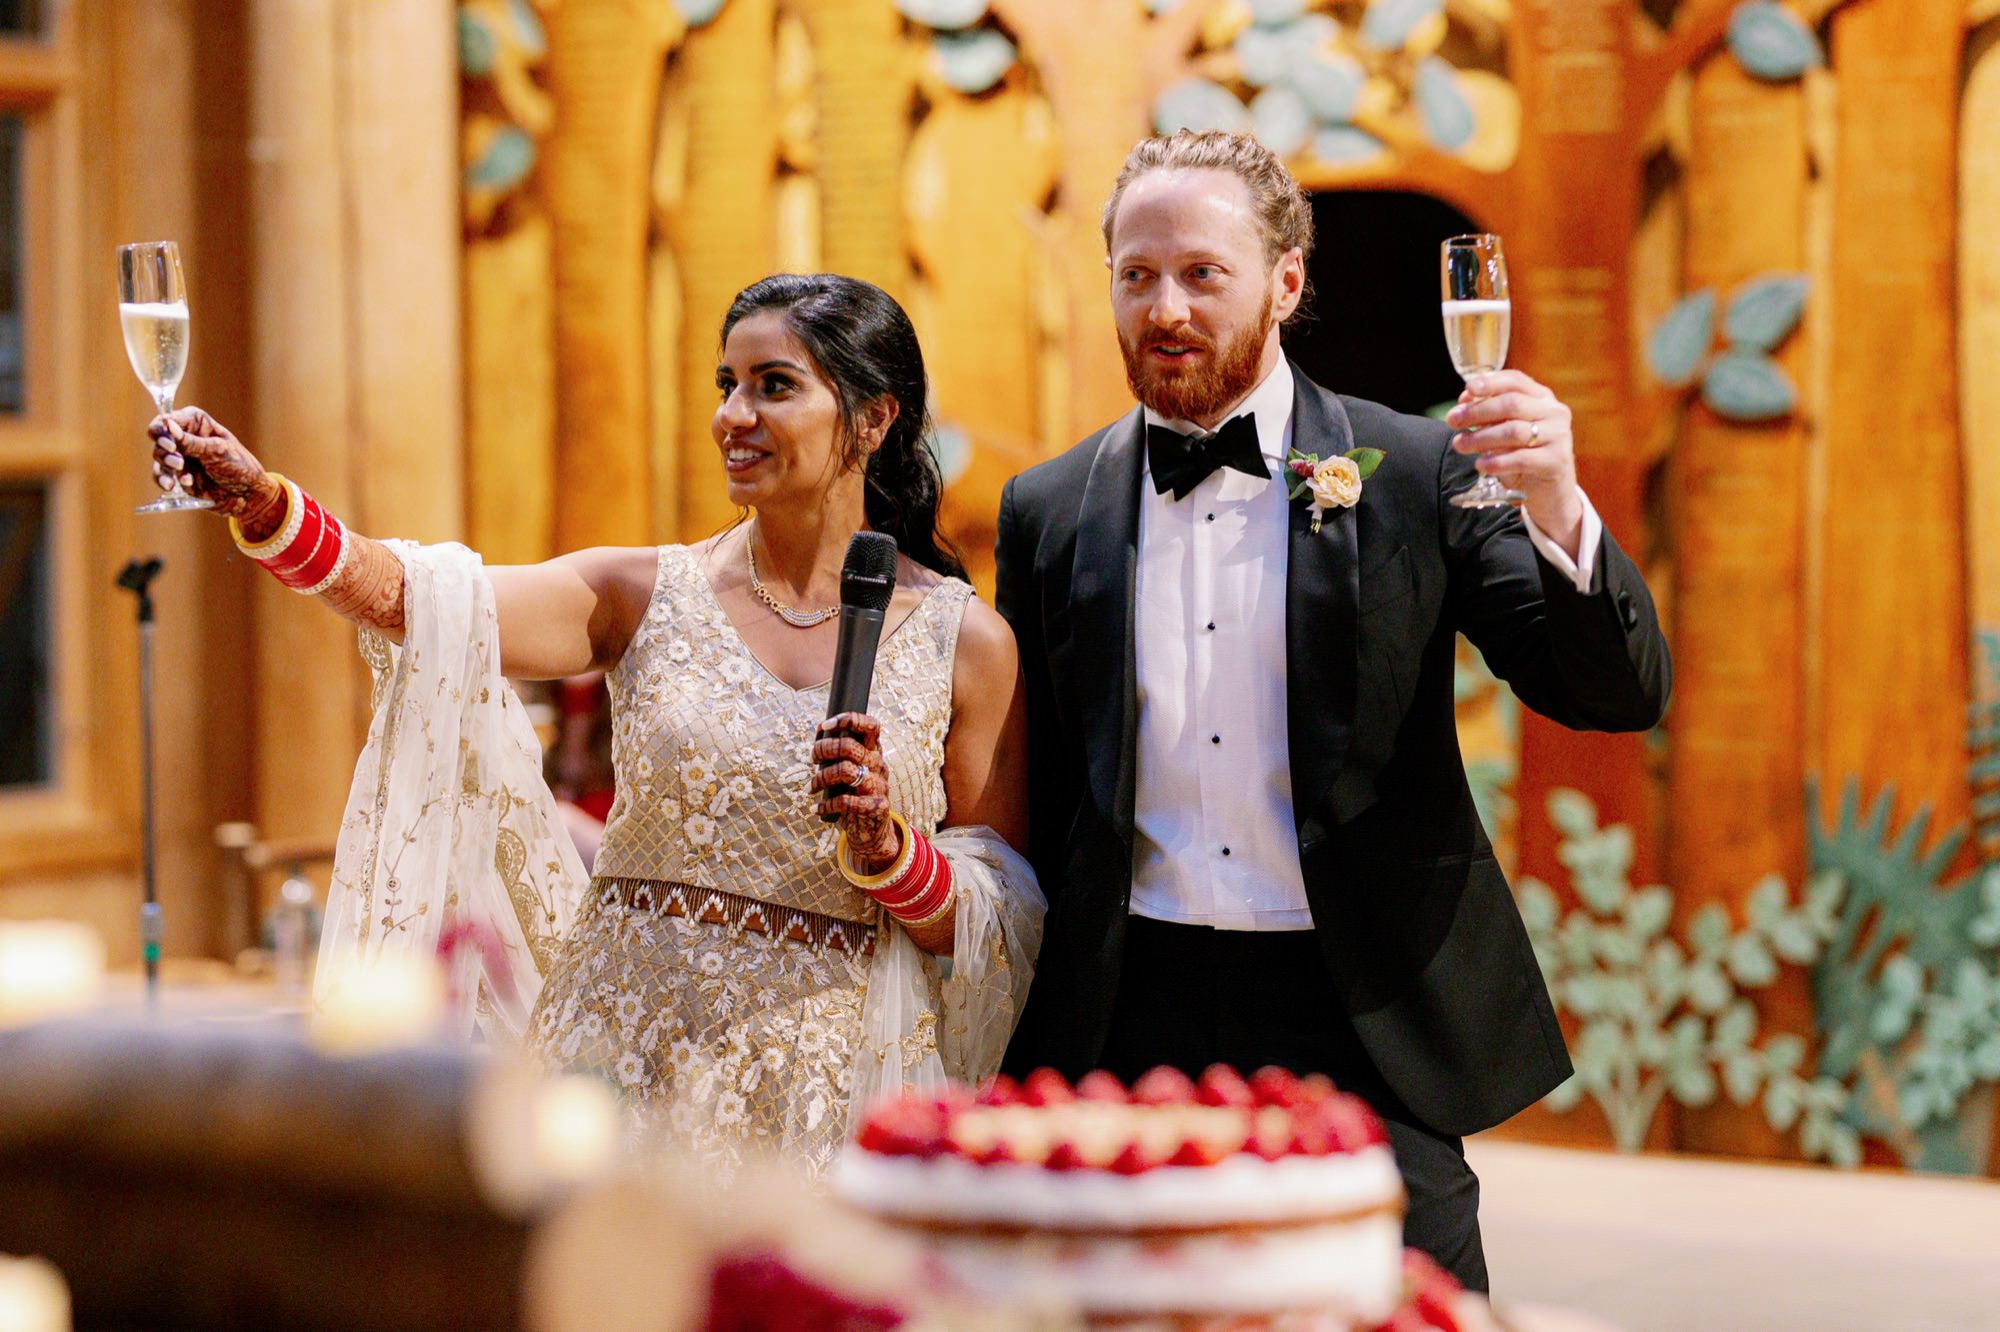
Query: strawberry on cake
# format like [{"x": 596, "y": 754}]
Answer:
[{"x": 1271, "y": 1196}]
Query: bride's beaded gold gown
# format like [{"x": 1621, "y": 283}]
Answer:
[{"x": 717, "y": 969}]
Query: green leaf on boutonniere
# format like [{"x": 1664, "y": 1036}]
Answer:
[{"x": 1365, "y": 460}]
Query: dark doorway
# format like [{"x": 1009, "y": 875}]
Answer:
[{"x": 1374, "y": 270}]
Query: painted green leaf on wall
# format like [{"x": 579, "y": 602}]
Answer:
[
  {"x": 1441, "y": 105},
  {"x": 1389, "y": 23},
  {"x": 1199, "y": 104},
  {"x": 699, "y": 13},
  {"x": 505, "y": 163},
  {"x": 477, "y": 46},
  {"x": 1264, "y": 55},
  {"x": 944, "y": 15},
  {"x": 973, "y": 62},
  {"x": 1280, "y": 120},
  {"x": 951, "y": 448},
  {"x": 1276, "y": 13},
  {"x": 1771, "y": 42},
  {"x": 1748, "y": 386},
  {"x": 528, "y": 32},
  {"x": 1680, "y": 340},
  {"x": 1763, "y": 312},
  {"x": 1344, "y": 145},
  {"x": 1331, "y": 85}
]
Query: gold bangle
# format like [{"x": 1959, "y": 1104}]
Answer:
[
  {"x": 288, "y": 526},
  {"x": 867, "y": 882}
]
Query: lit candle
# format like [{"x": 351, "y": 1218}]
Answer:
[
  {"x": 575, "y": 1128},
  {"x": 391, "y": 1001},
  {"x": 532, "y": 1138},
  {"x": 47, "y": 967},
  {"x": 33, "y": 1296}
]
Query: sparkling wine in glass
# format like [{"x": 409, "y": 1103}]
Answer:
[
  {"x": 1477, "y": 315},
  {"x": 153, "y": 314}
]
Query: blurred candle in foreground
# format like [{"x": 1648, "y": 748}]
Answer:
[
  {"x": 533, "y": 1138},
  {"x": 33, "y": 1296},
  {"x": 47, "y": 967},
  {"x": 575, "y": 1128},
  {"x": 389, "y": 1002}
]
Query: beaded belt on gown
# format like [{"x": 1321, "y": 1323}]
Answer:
[{"x": 712, "y": 906}]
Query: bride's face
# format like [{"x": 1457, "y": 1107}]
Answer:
[{"x": 778, "y": 424}]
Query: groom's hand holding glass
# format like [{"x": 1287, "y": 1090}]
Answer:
[{"x": 1520, "y": 432}]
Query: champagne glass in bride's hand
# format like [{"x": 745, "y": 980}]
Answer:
[
  {"x": 1477, "y": 313},
  {"x": 153, "y": 313}
]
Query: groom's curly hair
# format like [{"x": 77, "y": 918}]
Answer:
[{"x": 1284, "y": 213}]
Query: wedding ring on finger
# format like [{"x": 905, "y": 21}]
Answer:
[{"x": 1534, "y": 433}]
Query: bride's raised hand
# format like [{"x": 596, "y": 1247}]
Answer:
[
  {"x": 196, "y": 453},
  {"x": 847, "y": 752}
]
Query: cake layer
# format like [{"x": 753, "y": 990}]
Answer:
[
  {"x": 1241, "y": 1190},
  {"x": 1348, "y": 1269}
]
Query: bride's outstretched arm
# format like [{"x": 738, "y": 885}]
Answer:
[{"x": 562, "y": 617}]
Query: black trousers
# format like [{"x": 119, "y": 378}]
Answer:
[{"x": 1190, "y": 996}]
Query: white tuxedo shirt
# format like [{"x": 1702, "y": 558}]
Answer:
[{"x": 1213, "y": 837}]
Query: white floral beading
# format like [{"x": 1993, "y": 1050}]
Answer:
[{"x": 723, "y": 1032}]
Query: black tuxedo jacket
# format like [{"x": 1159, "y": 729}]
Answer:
[{"x": 1418, "y": 925}]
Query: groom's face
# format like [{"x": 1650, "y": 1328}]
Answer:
[{"x": 1197, "y": 302}]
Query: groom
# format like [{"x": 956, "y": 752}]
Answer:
[{"x": 1248, "y": 807}]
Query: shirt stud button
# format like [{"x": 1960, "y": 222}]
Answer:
[
  {"x": 1211, "y": 517},
  {"x": 1225, "y": 850},
  {"x": 1211, "y": 626},
  {"x": 1215, "y": 739}
]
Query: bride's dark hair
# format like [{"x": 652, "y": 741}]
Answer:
[{"x": 865, "y": 346}]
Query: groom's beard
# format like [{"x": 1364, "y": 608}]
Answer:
[{"x": 1202, "y": 389}]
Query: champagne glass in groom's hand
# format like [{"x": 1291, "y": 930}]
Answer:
[{"x": 1478, "y": 314}]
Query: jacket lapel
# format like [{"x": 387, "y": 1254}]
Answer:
[
  {"x": 1102, "y": 587},
  {"x": 1322, "y": 615}
]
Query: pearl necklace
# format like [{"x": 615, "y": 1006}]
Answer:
[{"x": 798, "y": 619}]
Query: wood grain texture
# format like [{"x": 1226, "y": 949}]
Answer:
[
  {"x": 1891, "y": 606},
  {"x": 310, "y": 694},
  {"x": 1735, "y": 795},
  {"x": 1979, "y": 322},
  {"x": 510, "y": 392},
  {"x": 977, "y": 174},
  {"x": 863, "y": 88},
  {"x": 723, "y": 225},
  {"x": 604, "y": 76}
]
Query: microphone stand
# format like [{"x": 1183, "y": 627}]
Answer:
[{"x": 135, "y": 578}]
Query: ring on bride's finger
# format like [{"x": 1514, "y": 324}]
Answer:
[{"x": 1534, "y": 433}]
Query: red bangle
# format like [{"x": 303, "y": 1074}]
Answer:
[
  {"x": 312, "y": 531},
  {"x": 321, "y": 561},
  {"x": 922, "y": 891}
]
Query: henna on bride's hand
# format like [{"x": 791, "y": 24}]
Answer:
[
  {"x": 847, "y": 752},
  {"x": 369, "y": 589},
  {"x": 194, "y": 452}
]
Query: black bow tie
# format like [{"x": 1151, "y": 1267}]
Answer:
[{"x": 1182, "y": 462}]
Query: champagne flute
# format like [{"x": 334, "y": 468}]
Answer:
[
  {"x": 1477, "y": 315},
  {"x": 153, "y": 314}
]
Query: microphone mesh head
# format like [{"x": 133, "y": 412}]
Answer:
[{"x": 868, "y": 574}]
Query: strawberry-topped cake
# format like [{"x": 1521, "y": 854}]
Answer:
[{"x": 1270, "y": 1195}]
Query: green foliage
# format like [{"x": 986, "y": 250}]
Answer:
[
  {"x": 1661, "y": 1016},
  {"x": 1906, "y": 997}
]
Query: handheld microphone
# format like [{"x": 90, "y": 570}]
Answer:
[{"x": 867, "y": 582}]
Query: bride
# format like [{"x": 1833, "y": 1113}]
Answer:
[{"x": 744, "y": 972}]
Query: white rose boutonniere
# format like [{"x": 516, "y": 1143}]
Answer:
[{"x": 1333, "y": 483}]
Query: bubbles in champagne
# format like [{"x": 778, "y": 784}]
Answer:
[
  {"x": 156, "y": 340},
  {"x": 1476, "y": 334}
]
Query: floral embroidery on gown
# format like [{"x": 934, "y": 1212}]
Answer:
[{"x": 719, "y": 965}]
